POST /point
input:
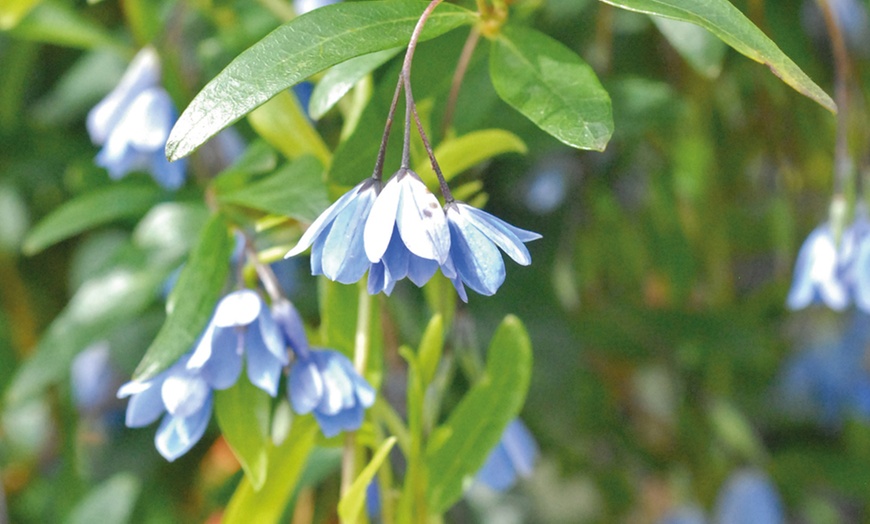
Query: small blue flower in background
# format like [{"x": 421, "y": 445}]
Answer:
[
  {"x": 133, "y": 122},
  {"x": 185, "y": 398},
  {"x": 242, "y": 324},
  {"x": 514, "y": 457},
  {"x": 821, "y": 271},
  {"x": 322, "y": 381},
  {"x": 93, "y": 378},
  {"x": 748, "y": 497},
  {"x": 303, "y": 6},
  {"x": 336, "y": 235},
  {"x": 474, "y": 235}
]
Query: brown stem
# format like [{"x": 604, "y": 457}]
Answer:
[{"x": 458, "y": 76}]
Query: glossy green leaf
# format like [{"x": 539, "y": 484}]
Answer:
[
  {"x": 724, "y": 20},
  {"x": 351, "y": 504},
  {"x": 192, "y": 300},
  {"x": 341, "y": 78},
  {"x": 459, "y": 447},
  {"x": 298, "y": 49},
  {"x": 552, "y": 87},
  {"x": 285, "y": 466},
  {"x": 461, "y": 153},
  {"x": 243, "y": 414},
  {"x": 296, "y": 190},
  {"x": 431, "y": 348},
  {"x": 57, "y": 23},
  {"x": 281, "y": 122},
  {"x": 90, "y": 210},
  {"x": 703, "y": 51},
  {"x": 111, "y": 502}
]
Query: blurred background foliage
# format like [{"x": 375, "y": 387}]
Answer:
[{"x": 655, "y": 303}]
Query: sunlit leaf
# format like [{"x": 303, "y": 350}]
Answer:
[
  {"x": 281, "y": 122},
  {"x": 351, "y": 504},
  {"x": 12, "y": 11},
  {"x": 111, "y": 502},
  {"x": 90, "y": 210},
  {"x": 192, "y": 300},
  {"x": 296, "y": 190},
  {"x": 461, "y": 153},
  {"x": 459, "y": 447},
  {"x": 552, "y": 87},
  {"x": 57, "y": 23},
  {"x": 341, "y": 78},
  {"x": 431, "y": 348},
  {"x": 298, "y": 49},
  {"x": 724, "y": 20},
  {"x": 243, "y": 415},
  {"x": 703, "y": 51}
]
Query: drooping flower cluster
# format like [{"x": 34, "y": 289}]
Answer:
[
  {"x": 402, "y": 231},
  {"x": 834, "y": 271},
  {"x": 132, "y": 124},
  {"x": 748, "y": 497},
  {"x": 322, "y": 381}
]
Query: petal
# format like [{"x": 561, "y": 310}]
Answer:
[
  {"x": 497, "y": 472},
  {"x": 169, "y": 175},
  {"x": 239, "y": 308},
  {"x": 290, "y": 323},
  {"x": 521, "y": 447},
  {"x": 862, "y": 275},
  {"x": 203, "y": 350},
  {"x": 344, "y": 259},
  {"x": 376, "y": 282},
  {"x": 381, "y": 221},
  {"x": 144, "y": 407},
  {"x": 225, "y": 364},
  {"x": 364, "y": 392},
  {"x": 345, "y": 420},
  {"x": 305, "y": 386},
  {"x": 337, "y": 387},
  {"x": 270, "y": 336},
  {"x": 420, "y": 270},
  {"x": 325, "y": 219},
  {"x": 748, "y": 497},
  {"x": 500, "y": 232},
  {"x": 478, "y": 262},
  {"x": 421, "y": 219},
  {"x": 148, "y": 120},
  {"x": 396, "y": 258},
  {"x": 184, "y": 393},
  {"x": 176, "y": 435},
  {"x": 264, "y": 369},
  {"x": 143, "y": 72}
]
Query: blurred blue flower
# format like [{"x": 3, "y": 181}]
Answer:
[
  {"x": 242, "y": 323},
  {"x": 93, "y": 378},
  {"x": 513, "y": 457},
  {"x": 748, "y": 497},
  {"x": 337, "y": 235},
  {"x": 133, "y": 122},
  {"x": 474, "y": 235},
  {"x": 325, "y": 382},
  {"x": 185, "y": 398},
  {"x": 684, "y": 515},
  {"x": 822, "y": 270},
  {"x": 406, "y": 209},
  {"x": 303, "y": 6}
]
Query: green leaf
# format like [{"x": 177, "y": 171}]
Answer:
[
  {"x": 351, "y": 503},
  {"x": 341, "y": 78},
  {"x": 243, "y": 415},
  {"x": 431, "y": 347},
  {"x": 58, "y": 23},
  {"x": 90, "y": 210},
  {"x": 459, "y": 447},
  {"x": 192, "y": 301},
  {"x": 298, "y": 49},
  {"x": 281, "y": 122},
  {"x": 111, "y": 502},
  {"x": 703, "y": 51},
  {"x": 552, "y": 87},
  {"x": 296, "y": 190},
  {"x": 459, "y": 154},
  {"x": 285, "y": 466},
  {"x": 12, "y": 11},
  {"x": 729, "y": 24}
]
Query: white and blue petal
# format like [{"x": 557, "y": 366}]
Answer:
[
  {"x": 748, "y": 497},
  {"x": 218, "y": 356},
  {"x": 290, "y": 324},
  {"x": 421, "y": 219},
  {"x": 305, "y": 386},
  {"x": 176, "y": 435},
  {"x": 818, "y": 274},
  {"x": 184, "y": 392},
  {"x": 476, "y": 259},
  {"x": 145, "y": 404},
  {"x": 343, "y": 258},
  {"x": 264, "y": 369},
  {"x": 345, "y": 420},
  {"x": 509, "y": 238}
]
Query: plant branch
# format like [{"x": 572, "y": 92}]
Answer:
[{"x": 458, "y": 77}]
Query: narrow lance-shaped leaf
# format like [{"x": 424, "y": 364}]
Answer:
[
  {"x": 298, "y": 49},
  {"x": 729, "y": 24},
  {"x": 243, "y": 413},
  {"x": 552, "y": 87},
  {"x": 459, "y": 447},
  {"x": 341, "y": 78},
  {"x": 283, "y": 124},
  {"x": 458, "y": 154},
  {"x": 351, "y": 504},
  {"x": 703, "y": 51},
  {"x": 192, "y": 300}
]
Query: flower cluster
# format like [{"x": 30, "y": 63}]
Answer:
[
  {"x": 322, "y": 381},
  {"x": 133, "y": 122},
  {"x": 401, "y": 230},
  {"x": 748, "y": 496},
  {"x": 834, "y": 271}
]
